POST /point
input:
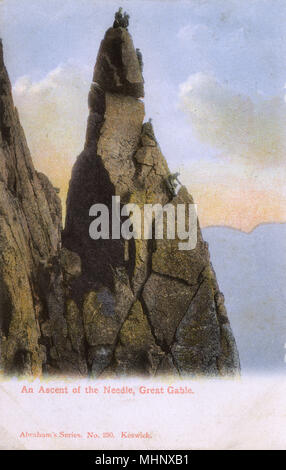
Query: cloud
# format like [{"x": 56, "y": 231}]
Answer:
[
  {"x": 235, "y": 195},
  {"x": 195, "y": 32},
  {"x": 240, "y": 128},
  {"x": 53, "y": 112}
]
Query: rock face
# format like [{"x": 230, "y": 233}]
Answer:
[{"x": 146, "y": 306}]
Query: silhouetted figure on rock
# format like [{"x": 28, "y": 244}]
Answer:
[{"x": 121, "y": 20}]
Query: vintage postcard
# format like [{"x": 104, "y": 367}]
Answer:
[{"x": 142, "y": 224}]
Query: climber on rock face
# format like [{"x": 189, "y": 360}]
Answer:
[
  {"x": 121, "y": 20},
  {"x": 172, "y": 182},
  {"x": 148, "y": 130}
]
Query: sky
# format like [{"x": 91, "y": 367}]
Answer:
[{"x": 215, "y": 74}]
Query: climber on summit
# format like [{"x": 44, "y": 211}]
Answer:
[
  {"x": 121, "y": 20},
  {"x": 172, "y": 182}
]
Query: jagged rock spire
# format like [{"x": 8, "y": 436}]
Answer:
[{"x": 147, "y": 307}]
